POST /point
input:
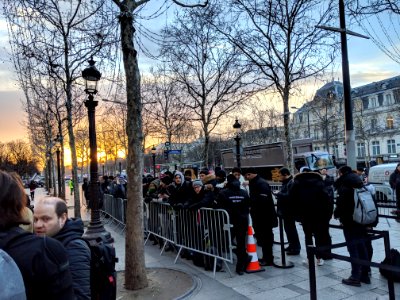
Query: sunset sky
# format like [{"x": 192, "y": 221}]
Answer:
[{"x": 367, "y": 64}]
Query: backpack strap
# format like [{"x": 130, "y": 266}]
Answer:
[{"x": 12, "y": 235}]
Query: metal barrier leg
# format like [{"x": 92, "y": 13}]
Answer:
[
  {"x": 283, "y": 264},
  {"x": 387, "y": 253},
  {"x": 311, "y": 272},
  {"x": 227, "y": 268}
]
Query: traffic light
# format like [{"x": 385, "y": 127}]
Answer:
[{"x": 166, "y": 154}]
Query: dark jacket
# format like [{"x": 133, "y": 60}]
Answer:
[
  {"x": 78, "y": 255},
  {"x": 179, "y": 195},
  {"x": 283, "y": 199},
  {"x": 235, "y": 201},
  {"x": 261, "y": 202},
  {"x": 309, "y": 198},
  {"x": 394, "y": 180},
  {"x": 204, "y": 198},
  {"x": 43, "y": 263},
  {"x": 345, "y": 185}
]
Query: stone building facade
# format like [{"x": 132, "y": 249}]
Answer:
[{"x": 376, "y": 119}]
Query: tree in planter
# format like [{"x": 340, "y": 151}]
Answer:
[{"x": 135, "y": 273}]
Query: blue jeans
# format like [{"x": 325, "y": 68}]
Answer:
[{"x": 360, "y": 250}]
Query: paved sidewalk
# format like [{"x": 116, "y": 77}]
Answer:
[
  {"x": 274, "y": 283},
  {"x": 277, "y": 283}
]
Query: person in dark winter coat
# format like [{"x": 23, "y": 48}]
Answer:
[
  {"x": 352, "y": 231},
  {"x": 263, "y": 214},
  {"x": 209, "y": 180},
  {"x": 285, "y": 209},
  {"x": 181, "y": 191},
  {"x": 32, "y": 188},
  {"x": 312, "y": 207},
  {"x": 394, "y": 181},
  {"x": 201, "y": 197},
  {"x": 51, "y": 219},
  {"x": 43, "y": 262},
  {"x": 237, "y": 203}
]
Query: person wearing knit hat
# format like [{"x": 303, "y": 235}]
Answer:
[
  {"x": 201, "y": 196},
  {"x": 197, "y": 182}
]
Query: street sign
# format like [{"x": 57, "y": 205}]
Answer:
[{"x": 175, "y": 151}]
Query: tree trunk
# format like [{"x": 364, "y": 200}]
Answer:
[
  {"x": 206, "y": 146},
  {"x": 135, "y": 270},
  {"x": 286, "y": 123},
  {"x": 74, "y": 160}
]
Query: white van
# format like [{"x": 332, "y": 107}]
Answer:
[{"x": 379, "y": 176}]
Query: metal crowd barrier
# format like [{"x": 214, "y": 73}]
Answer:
[
  {"x": 113, "y": 211},
  {"x": 205, "y": 231},
  {"x": 312, "y": 251}
]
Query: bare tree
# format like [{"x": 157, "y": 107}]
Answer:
[
  {"x": 206, "y": 67},
  {"x": 380, "y": 20},
  {"x": 279, "y": 38},
  {"x": 164, "y": 106}
]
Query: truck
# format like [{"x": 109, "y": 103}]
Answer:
[{"x": 267, "y": 159}]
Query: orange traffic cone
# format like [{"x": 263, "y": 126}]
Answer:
[{"x": 254, "y": 265}]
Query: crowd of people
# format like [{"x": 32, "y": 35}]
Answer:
[
  {"x": 306, "y": 198},
  {"x": 57, "y": 265}
]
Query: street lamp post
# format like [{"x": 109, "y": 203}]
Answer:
[
  {"x": 153, "y": 154},
  {"x": 237, "y": 127},
  {"x": 58, "y": 171},
  {"x": 95, "y": 228}
]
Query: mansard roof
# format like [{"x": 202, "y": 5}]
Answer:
[{"x": 376, "y": 87}]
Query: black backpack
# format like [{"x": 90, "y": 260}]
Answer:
[
  {"x": 103, "y": 276},
  {"x": 394, "y": 260}
]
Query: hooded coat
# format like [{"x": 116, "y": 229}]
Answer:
[
  {"x": 309, "y": 197},
  {"x": 345, "y": 185},
  {"x": 78, "y": 255},
  {"x": 43, "y": 264},
  {"x": 180, "y": 194},
  {"x": 261, "y": 203}
]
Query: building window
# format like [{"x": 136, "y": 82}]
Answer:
[
  {"x": 316, "y": 134},
  {"x": 373, "y": 102},
  {"x": 335, "y": 150},
  {"x": 316, "y": 148},
  {"x": 391, "y": 146},
  {"x": 376, "y": 148},
  {"x": 389, "y": 99},
  {"x": 360, "y": 149},
  {"x": 374, "y": 123},
  {"x": 389, "y": 122}
]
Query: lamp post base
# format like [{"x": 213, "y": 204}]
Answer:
[{"x": 96, "y": 233}]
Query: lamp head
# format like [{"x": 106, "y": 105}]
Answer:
[
  {"x": 237, "y": 127},
  {"x": 91, "y": 76}
]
